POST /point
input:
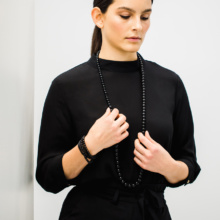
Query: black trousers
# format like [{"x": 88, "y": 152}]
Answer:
[{"x": 92, "y": 202}]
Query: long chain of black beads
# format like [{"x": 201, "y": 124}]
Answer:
[{"x": 126, "y": 184}]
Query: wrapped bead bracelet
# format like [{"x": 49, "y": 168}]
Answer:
[{"x": 84, "y": 150}]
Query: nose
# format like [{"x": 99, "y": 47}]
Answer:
[{"x": 137, "y": 25}]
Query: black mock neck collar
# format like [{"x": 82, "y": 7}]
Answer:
[{"x": 116, "y": 66}]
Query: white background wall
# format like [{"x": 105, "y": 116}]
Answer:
[
  {"x": 17, "y": 109},
  {"x": 184, "y": 37}
]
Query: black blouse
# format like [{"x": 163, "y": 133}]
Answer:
[{"x": 75, "y": 100}]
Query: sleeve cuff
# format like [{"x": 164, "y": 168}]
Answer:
[
  {"x": 189, "y": 178},
  {"x": 58, "y": 174},
  {"x": 61, "y": 174}
]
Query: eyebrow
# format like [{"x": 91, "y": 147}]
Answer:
[{"x": 129, "y": 9}]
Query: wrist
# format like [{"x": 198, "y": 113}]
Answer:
[
  {"x": 91, "y": 145},
  {"x": 176, "y": 171},
  {"x": 170, "y": 173}
]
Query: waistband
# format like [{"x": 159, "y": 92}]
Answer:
[{"x": 151, "y": 194}]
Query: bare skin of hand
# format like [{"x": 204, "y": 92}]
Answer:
[
  {"x": 154, "y": 157},
  {"x": 109, "y": 129}
]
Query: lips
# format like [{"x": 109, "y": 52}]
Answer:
[{"x": 133, "y": 38}]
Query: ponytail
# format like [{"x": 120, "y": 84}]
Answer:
[{"x": 96, "y": 40}]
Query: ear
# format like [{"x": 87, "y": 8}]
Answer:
[{"x": 97, "y": 17}]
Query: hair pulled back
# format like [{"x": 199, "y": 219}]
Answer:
[{"x": 97, "y": 35}]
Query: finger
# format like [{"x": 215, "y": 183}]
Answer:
[
  {"x": 124, "y": 135},
  {"x": 121, "y": 119},
  {"x": 138, "y": 162},
  {"x": 117, "y": 116},
  {"x": 140, "y": 148},
  {"x": 114, "y": 113},
  {"x": 124, "y": 127},
  {"x": 149, "y": 137},
  {"x": 145, "y": 141},
  {"x": 138, "y": 155},
  {"x": 107, "y": 111}
]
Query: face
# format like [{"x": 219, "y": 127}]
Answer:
[{"x": 124, "y": 20}]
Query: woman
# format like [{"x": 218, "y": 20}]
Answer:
[{"x": 118, "y": 127}]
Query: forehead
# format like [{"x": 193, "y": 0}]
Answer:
[{"x": 134, "y": 5}]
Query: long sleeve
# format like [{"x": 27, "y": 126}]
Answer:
[
  {"x": 183, "y": 144},
  {"x": 55, "y": 139}
]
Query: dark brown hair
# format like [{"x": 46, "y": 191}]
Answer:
[{"x": 97, "y": 35}]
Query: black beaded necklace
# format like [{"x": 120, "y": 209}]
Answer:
[{"x": 124, "y": 183}]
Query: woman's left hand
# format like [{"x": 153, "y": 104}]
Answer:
[{"x": 154, "y": 157}]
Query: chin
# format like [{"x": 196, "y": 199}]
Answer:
[{"x": 132, "y": 49}]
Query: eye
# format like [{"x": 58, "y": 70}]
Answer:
[
  {"x": 145, "y": 18},
  {"x": 124, "y": 17}
]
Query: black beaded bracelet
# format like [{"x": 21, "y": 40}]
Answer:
[{"x": 84, "y": 150}]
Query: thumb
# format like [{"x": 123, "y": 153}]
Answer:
[{"x": 149, "y": 137}]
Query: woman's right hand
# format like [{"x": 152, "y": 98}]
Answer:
[{"x": 108, "y": 130}]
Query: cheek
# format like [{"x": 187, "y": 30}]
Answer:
[
  {"x": 117, "y": 26},
  {"x": 146, "y": 26}
]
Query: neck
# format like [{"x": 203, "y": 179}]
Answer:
[{"x": 117, "y": 55}]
